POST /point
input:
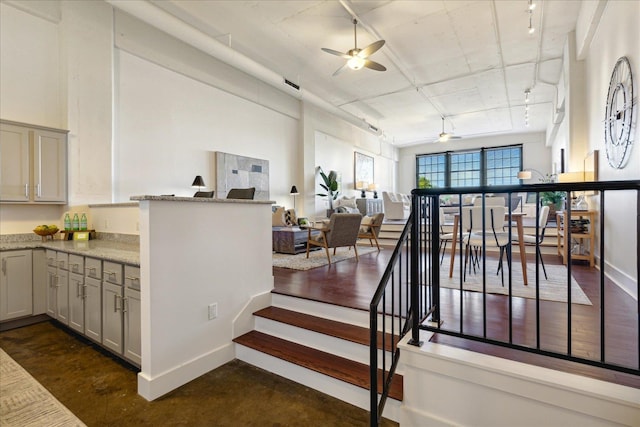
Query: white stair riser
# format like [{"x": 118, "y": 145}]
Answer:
[
  {"x": 330, "y": 311},
  {"x": 339, "y": 389},
  {"x": 328, "y": 344},
  {"x": 319, "y": 309}
]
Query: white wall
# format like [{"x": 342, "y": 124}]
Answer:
[
  {"x": 615, "y": 34},
  {"x": 170, "y": 126},
  {"x": 535, "y": 154},
  {"x": 147, "y": 115}
]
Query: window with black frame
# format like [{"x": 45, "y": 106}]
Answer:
[{"x": 469, "y": 168}]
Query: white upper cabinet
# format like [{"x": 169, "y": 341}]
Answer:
[
  {"x": 33, "y": 160},
  {"x": 14, "y": 163}
]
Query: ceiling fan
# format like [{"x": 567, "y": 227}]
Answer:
[
  {"x": 357, "y": 58},
  {"x": 444, "y": 136}
]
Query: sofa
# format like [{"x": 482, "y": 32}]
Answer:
[{"x": 396, "y": 205}]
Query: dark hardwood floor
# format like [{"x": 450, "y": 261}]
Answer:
[{"x": 352, "y": 284}]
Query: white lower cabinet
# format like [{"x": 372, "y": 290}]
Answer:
[
  {"x": 103, "y": 303},
  {"x": 112, "y": 316},
  {"x": 16, "y": 289},
  {"x": 132, "y": 332},
  {"x": 93, "y": 308},
  {"x": 57, "y": 286},
  {"x": 76, "y": 302}
]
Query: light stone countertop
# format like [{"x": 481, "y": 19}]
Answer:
[
  {"x": 126, "y": 253},
  {"x": 202, "y": 200}
]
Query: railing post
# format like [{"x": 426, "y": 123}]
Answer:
[
  {"x": 415, "y": 279},
  {"x": 435, "y": 259}
]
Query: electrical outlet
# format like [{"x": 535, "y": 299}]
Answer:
[{"x": 213, "y": 311}]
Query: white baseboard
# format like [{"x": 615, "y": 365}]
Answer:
[
  {"x": 620, "y": 278},
  {"x": 153, "y": 388}
]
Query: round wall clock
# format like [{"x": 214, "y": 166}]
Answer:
[{"x": 618, "y": 118}]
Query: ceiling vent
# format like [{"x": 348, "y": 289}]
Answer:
[{"x": 292, "y": 84}]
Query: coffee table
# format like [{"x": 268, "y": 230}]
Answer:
[{"x": 291, "y": 240}]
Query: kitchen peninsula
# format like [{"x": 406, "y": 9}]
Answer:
[{"x": 205, "y": 266}]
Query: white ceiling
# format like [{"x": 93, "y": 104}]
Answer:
[{"x": 468, "y": 61}]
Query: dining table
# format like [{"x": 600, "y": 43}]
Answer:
[{"x": 517, "y": 218}]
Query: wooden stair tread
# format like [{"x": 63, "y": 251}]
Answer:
[
  {"x": 345, "y": 331},
  {"x": 337, "y": 367}
]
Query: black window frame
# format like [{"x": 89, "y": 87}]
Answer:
[{"x": 483, "y": 176}]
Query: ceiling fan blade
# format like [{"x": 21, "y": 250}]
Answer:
[
  {"x": 374, "y": 65},
  {"x": 341, "y": 69},
  {"x": 371, "y": 49},
  {"x": 335, "y": 52}
]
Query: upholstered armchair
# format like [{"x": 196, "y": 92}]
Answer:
[
  {"x": 342, "y": 230},
  {"x": 371, "y": 229},
  {"x": 396, "y": 205}
]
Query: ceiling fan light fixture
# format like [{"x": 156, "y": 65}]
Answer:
[{"x": 355, "y": 63}]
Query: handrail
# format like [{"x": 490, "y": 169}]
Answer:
[
  {"x": 376, "y": 307},
  {"x": 420, "y": 239}
]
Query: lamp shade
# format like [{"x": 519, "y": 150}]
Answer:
[
  {"x": 524, "y": 175},
  {"x": 198, "y": 182},
  {"x": 372, "y": 187},
  {"x": 294, "y": 191}
]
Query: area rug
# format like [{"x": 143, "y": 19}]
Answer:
[
  {"x": 25, "y": 402},
  {"x": 552, "y": 289},
  {"x": 317, "y": 258}
]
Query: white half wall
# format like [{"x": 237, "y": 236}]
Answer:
[
  {"x": 193, "y": 254},
  {"x": 445, "y": 386}
]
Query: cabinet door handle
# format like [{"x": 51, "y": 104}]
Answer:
[
  {"x": 92, "y": 271},
  {"x": 133, "y": 279},
  {"x": 78, "y": 290},
  {"x": 74, "y": 267},
  {"x": 84, "y": 291},
  {"x": 115, "y": 303},
  {"x": 26, "y": 191},
  {"x": 110, "y": 274},
  {"x": 38, "y": 192},
  {"x": 61, "y": 264},
  {"x": 124, "y": 304}
]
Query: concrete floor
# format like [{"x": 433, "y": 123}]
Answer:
[{"x": 101, "y": 390}]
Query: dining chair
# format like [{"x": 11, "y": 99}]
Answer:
[
  {"x": 241, "y": 193},
  {"x": 205, "y": 194},
  {"x": 486, "y": 231},
  {"x": 444, "y": 237},
  {"x": 489, "y": 201},
  {"x": 531, "y": 239}
]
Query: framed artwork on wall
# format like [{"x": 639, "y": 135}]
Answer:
[{"x": 363, "y": 170}]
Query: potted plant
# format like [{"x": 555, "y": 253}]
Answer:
[
  {"x": 423, "y": 182},
  {"x": 330, "y": 185},
  {"x": 554, "y": 200}
]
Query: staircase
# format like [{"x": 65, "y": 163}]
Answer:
[{"x": 304, "y": 341}]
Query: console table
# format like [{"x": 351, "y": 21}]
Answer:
[
  {"x": 369, "y": 207},
  {"x": 585, "y": 232}
]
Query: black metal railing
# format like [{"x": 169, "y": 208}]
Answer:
[
  {"x": 389, "y": 320},
  {"x": 410, "y": 292}
]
